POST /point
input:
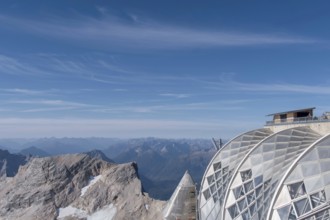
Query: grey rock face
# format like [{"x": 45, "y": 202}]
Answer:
[{"x": 44, "y": 187}]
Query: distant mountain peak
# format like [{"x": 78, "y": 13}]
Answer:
[
  {"x": 99, "y": 155},
  {"x": 34, "y": 151}
]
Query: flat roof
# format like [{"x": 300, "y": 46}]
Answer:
[{"x": 298, "y": 110}]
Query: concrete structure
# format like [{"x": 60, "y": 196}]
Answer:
[
  {"x": 281, "y": 171},
  {"x": 182, "y": 204}
]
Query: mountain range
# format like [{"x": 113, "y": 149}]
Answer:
[{"x": 161, "y": 162}]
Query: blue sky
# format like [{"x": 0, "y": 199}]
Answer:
[{"x": 158, "y": 68}]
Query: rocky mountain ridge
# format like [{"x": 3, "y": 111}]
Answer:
[
  {"x": 76, "y": 186},
  {"x": 162, "y": 162}
]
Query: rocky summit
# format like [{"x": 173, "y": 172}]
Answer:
[{"x": 76, "y": 186}]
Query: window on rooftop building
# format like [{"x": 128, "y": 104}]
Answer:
[
  {"x": 303, "y": 114},
  {"x": 283, "y": 116}
]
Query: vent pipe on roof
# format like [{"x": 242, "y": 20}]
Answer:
[{"x": 217, "y": 143}]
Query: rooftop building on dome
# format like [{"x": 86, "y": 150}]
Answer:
[
  {"x": 298, "y": 118},
  {"x": 300, "y": 115},
  {"x": 278, "y": 172}
]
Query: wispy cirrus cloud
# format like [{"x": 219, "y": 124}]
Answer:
[
  {"x": 227, "y": 105},
  {"x": 14, "y": 66},
  {"x": 174, "y": 95},
  {"x": 62, "y": 68},
  {"x": 120, "y": 90},
  {"x": 47, "y": 109},
  {"x": 92, "y": 69},
  {"x": 32, "y": 106},
  {"x": 24, "y": 91},
  {"x": 227, "y": 83},
  {"x": 111, "y": 32},
  {"x": 284, "y": 88},
  {"x": 51, "y": 103},
  {"x": 21, "y": 91}
]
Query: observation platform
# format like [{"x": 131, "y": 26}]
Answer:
[{"x": 298, "y": 118}]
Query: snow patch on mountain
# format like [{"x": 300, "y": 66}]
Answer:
[
  {"x": 71, "y": 211},
  {"x": 106, "y": 213},
  {"x": 91, "y": 182}
]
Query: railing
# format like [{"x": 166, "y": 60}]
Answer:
[{"x": 298, "y": 120}]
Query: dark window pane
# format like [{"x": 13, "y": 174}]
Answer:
[
  {"x": 207, "y": 194},
  {"x": 297, "y": 190},
  {"x": 250, "y": 197},
  {"x": 225, "y": 170},
  {"x": 233, "y": 211},
  {"x": 302, "y": 206},
  {"x": 258, "y": 191},
  {"x": 213, "y": 189},
  {"x": 258, "y": 180},
  {"x": 292, "y": 214},
  {"x": 210, "y": 179},
  {"x": 217, "y": 166},
  {"x": 246, "y": 175},
  {"x": 242, "y": 204},
  {"x": 323, "y": 215},
  {"x": 245, "y": 215},
  {"x": 238, "y": 192},
  {"x": 266, "y": 183},
  {"x": 318, "y": 199},
  {"x": 218, "y": 174},
  {"x": 248, "y": 186},
  {"x": 284, "y": 212},
  {"x": 252, "y": 208}
]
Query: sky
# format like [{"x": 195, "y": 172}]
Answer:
[{"x": 172, "y": 69}]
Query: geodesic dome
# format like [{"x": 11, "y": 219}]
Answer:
[{"x": 266, "y": 175}]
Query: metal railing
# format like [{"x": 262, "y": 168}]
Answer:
[{"x": 298, "y": 120}]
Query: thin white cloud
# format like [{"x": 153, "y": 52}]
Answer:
[
  {"x": 229, "y": 84},
  {"x": 285, "y": 88},
  {"x": 114, "y": 68},
  {"x": 12, "y": 66},
  {"x": 24, "y": 91},
  {"x": 221, "y": 106},
  {"x": 22, "y": 127},
  {"x": 173, "y": 95},
  {"x": 47, "y": 109},
  {"x": 91, "y": 69},
  {"x": 51, "y": 103},
  {"x": 120, "y": 90},
  {"x": 110, "y": 32}
]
